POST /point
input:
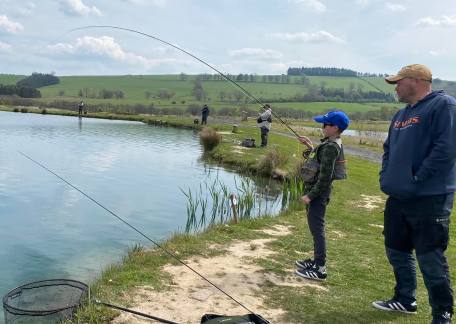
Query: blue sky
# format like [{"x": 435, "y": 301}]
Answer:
[{"x": 236, "y": 36}]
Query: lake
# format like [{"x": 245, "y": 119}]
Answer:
[{"x": 49, "y": 230}]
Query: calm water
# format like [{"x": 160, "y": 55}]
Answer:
[{"x": 49, "y": 230}]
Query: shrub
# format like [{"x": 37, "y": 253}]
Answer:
[
  {"x": 270, "y": 161},
  {"x": 209, "y": 138},
  {"x": 24, "y": 110},
  {"x": 44, "y": 111}
]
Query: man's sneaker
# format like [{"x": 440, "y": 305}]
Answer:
[
  {"x": 305, "y": 264},
  {"x": 314, "y": 273},
  {"x": 395, "y": 306},
  {"x": 443, "y": 318}
]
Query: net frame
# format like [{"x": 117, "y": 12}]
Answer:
[{"x": 65, "y": 311}]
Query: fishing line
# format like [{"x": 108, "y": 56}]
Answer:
[
  {"x": 243, "y": 90},
  {"x": 137, "y": 230}
]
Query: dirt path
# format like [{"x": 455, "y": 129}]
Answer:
[{"x": 189, "y": 297}]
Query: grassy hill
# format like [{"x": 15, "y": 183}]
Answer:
[
  {"x": 135, "y": 88},
  {"x": 144, "y": 89}
]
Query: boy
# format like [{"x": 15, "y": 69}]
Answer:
[{"x": 330, "y": 165}]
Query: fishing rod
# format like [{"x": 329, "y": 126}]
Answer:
[
  {"x": 158, "y": 319},
  {"x": 138, "y": 231},
  {"x": 243, "y": 90}
]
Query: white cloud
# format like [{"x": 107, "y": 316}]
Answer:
[
  {"x": 363, "y": 3},
  {"x": 27, "y": 9},
  {"x": 312, "y": 4},
  {"x": 317, "y": 37},
  {"x": 434, "y": 53},
  {"x": 257, "y": 53},
  {"x": 444, "y": 21},
  {"x": 395, "y": 7},
  {"x": 9, "y": 25},
  {"x": 106, "y": 46},
  {"x": 155, "y": 3},
  {"x": 4, "y": 47},
  {"x": 78, "y": 8}
]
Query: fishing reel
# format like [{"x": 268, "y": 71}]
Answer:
[{"x": 306, "y": 153}]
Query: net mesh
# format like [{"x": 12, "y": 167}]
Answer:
[{"x": 47, "y": 301}]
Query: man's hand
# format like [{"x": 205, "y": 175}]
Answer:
[
  {"x": 305, "y": 199},
  {"x": 306, "y": 141}
]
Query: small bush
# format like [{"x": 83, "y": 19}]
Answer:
[
  {"x": 271, "y": 160},
  {"x": 16, "y": 110},
  {"x": 209, "y": 138},
  {"x": 44, "y": 111},
  {"x": 24, "y": 110}
]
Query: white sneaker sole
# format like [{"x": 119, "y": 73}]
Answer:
[
  {"x": 309, "y": 277},
  {"x": 392, "y": 310}
]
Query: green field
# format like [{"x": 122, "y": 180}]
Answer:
[
  {"x": 135, "y": 88},
  {"x": 10, "y": 78}
]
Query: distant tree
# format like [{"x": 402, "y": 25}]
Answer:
[
  {"x": 183, "y": 76},
  {"x": 147, "y": 94},
  {"x": 61, "y": 93},
  {"x": 198, "y": 90},
  {"x": 80, "y": 93},
  {"x": 118, "y": 94},
  {"x": 222, "y": 95},
  {"x": 193, "y": 109},
  {"x": 37, "y": 80}
]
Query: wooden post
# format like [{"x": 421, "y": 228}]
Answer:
[{"x": 234, "y": 207}]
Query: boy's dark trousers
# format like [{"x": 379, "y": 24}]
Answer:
[
  {"x": 421, "y": 224},
  {"x": 316, "y": 219}
]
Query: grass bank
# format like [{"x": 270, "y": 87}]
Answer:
[{"x": 358, "y": 271}]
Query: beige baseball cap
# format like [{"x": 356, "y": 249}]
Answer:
[{"x": 414, "y": 71}]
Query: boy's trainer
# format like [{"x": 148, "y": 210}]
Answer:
[
  {"x": 395, "y": 306},
  {"x": 305, "y": 264},
  {"x": 314, "y": 273}
]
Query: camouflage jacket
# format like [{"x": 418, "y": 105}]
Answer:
[{"x": 327, "y": 156}]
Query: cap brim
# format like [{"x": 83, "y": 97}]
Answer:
[
  {"x": 393, "y": 79},
  {"x": 320, "y": 119}
]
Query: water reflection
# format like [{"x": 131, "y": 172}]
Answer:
[{"x": 50, "y": 230}]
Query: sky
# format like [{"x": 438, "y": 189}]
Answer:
[{"x": 234, "y": 36}]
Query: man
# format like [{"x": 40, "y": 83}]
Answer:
[
  {"x": 80, "y": 107},
  {"x": 419, "y": 176},
  {"x": 264, "y": 122},
  {"x": 204, "y": 114}
]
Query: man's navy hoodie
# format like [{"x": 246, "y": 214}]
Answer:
[{"x": 420, "y": 151}]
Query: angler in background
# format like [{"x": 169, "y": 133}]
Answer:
[
  {"x": 419, "y": 176},
  {"x": 264, "y": 122},
  {"x": 325, "y": 164},
  {"x": 80, "y": 107},
  {"x": 204, "y": 114}
]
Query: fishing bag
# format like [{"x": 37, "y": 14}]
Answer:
[
  {"x": 311, "y": 167},
  {"x": 248, "y": 142},
  {"x": 242, "y": 319}
]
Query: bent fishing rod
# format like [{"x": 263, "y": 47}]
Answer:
[
  {"x": 137, "y": 231},
  {"x": 234, "y": 83}
]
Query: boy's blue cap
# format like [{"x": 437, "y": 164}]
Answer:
[{"x": 338, "y": 118}]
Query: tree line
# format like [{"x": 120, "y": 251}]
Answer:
[
  {"x": 37, "y": 80},
  {"x": 24, "y": 92},
  {"x": 329, "y": 71}
]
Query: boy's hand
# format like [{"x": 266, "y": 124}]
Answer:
[
  {"x": 305, "y": 199},
  {"x": 306, "y": 141}
]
